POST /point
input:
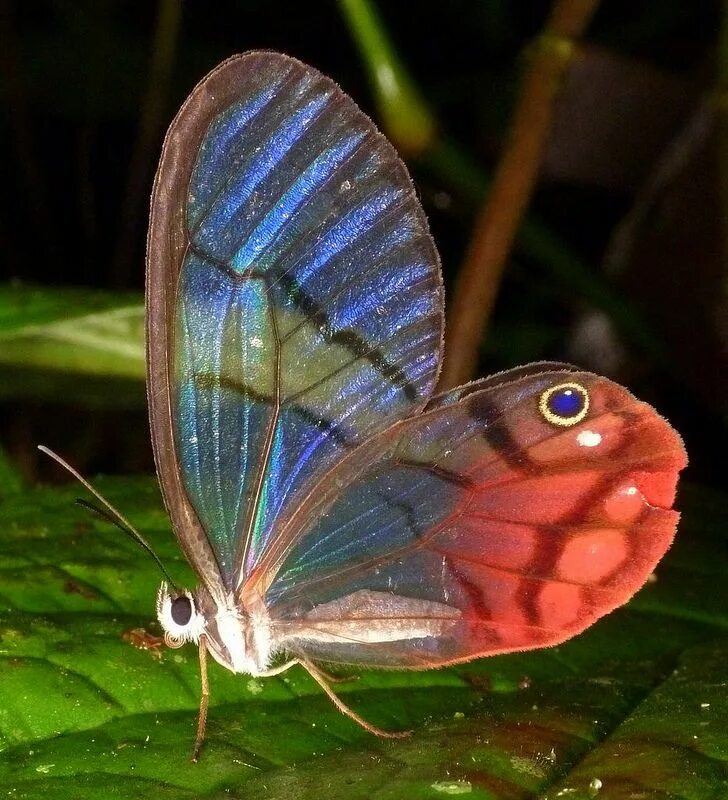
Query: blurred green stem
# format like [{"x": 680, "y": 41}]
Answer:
[{"x": 404, "y": 114}]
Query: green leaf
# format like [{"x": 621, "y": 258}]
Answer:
[
  {"x": 10, "y": 480},
  {"x": 74, "y": 344},
  {"x": 635, "y": 707}
]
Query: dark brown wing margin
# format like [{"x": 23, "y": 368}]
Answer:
[{"x": 167, "y": 244}]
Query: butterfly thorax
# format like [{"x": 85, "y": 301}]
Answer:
[{"x": 239, "y": 640}]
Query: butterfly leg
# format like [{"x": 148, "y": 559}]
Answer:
[
  {"x": 321, "y": 679},
  {"x": 270, "y": 673},
  {"x": 204, "y": 700},
  {"x": 337, "y": 678}
]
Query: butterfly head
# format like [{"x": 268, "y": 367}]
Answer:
[
  {"x": 237, "y": 641},
  {"x": 179, "y": 616}
]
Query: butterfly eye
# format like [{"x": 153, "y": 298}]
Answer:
[
  {"x": 181, "y": 610},
  {"x": 565, "y": 404}
]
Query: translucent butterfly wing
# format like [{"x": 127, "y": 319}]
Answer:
[
  {"x": 294, "y": 301},
  {"x": 478, "y": 528}
]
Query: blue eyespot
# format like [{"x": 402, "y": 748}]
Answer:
[{"x": 565, "y": 404}]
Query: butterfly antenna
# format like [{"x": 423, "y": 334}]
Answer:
[{"x": 109, "y": 513}]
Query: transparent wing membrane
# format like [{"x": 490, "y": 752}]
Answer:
[{"x": 308, "y": 309}]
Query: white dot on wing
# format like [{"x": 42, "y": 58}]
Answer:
[{"x": 589, "y": 438}]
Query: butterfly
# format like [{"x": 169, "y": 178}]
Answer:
[{"x": 334, "y": 508}]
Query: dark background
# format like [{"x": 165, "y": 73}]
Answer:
[{"x": 632, "y": 191}]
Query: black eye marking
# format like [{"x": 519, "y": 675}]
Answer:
[
  {"x": 181, "y": 610},
  {"x": 564, "y": 404}
]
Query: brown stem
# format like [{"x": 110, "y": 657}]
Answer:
[{"x": 495, "y": 229}]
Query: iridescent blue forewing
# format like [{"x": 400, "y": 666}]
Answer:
[{"x": 294, "y": 302}]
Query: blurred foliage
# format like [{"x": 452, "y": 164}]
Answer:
[
  {"x": 71, "y": 330},
  {"x": 89, "y": 88},
  {"x": 635, "y": 705}
]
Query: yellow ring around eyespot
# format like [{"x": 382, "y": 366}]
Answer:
[{"x": 556, "y": 419}]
